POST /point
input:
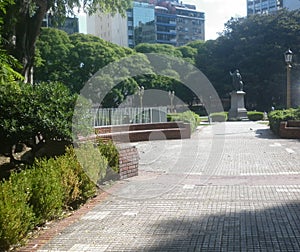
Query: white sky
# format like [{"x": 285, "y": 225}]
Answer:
[{"x": 217, "y": 13}]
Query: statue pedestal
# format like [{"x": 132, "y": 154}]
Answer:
[{"x": 237, "y": 110}]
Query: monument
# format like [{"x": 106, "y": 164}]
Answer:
[{"x": 237, "y": 110}]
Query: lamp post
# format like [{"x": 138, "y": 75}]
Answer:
[
  {"x": 288, "y": 56},
  {"x": 171, "y": 96},
  {"x": 140, "y": 94}
]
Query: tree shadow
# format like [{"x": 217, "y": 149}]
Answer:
[
  {"x": 265, "y": 134},
  {"x": 272, "y": 229}
]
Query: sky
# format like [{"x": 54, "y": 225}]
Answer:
[{"x": 217, "y": 13}]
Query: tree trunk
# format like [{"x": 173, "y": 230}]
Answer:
[{"x": 27, "y": 30}]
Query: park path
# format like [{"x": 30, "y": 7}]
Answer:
[{"x": 231, "y": 187}]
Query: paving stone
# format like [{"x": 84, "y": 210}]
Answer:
[{"x": 232, "y": 187}]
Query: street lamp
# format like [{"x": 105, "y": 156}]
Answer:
[
  {"x": 140, "y": 94},
  {"x": 288, "y": 56},
  {"x": 171, "y": 96}
]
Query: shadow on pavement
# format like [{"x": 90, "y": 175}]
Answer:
[
  {"x": 266, "y": 134},
  {"x": 271, "y": 229}
]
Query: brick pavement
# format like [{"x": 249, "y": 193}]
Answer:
[{"x": 232, "y": 187}]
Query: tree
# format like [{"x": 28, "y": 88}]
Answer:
[
  {"x": 254, "y": 45},
  {"x": 29, "y": 112},
  {"x": 23, "y": 20},
  {"x": 73, "y": 59}
]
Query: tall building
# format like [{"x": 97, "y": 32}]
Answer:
[
  {"x": 108, "y": 27},
  {"x": 70, "y": 25},
  {"x": 269, "y": 6},
  {"x": 167, "y": 22},
  {"x": 150, "y": 21}
]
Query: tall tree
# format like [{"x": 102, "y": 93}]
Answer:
[{"x": 23, "y": 20}]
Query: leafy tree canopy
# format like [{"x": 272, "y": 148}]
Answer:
[{"x": 22, "y": 21}]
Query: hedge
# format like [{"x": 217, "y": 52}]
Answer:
[
  {"x": 255, "y": 115},
  {"x": 40, "y": 193},
  {"x": 277, "y": 116},
  {"x": 218, "y": 116},
  {"x": 187, "y": 116}
]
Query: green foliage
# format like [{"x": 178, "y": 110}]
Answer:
[
  {"x": 219, "y": 116},
  {"x": 23, "y": 19},
  {"x": 16, "y": 216},
  {"x": 187, "y": 116},
  {"x": 255, "y": 115},
  {"x": 158, "y": 48},
  {"x": 40, "y": 193},
  {"x": 73, "y": 59},
  {"x": 45, "y": 109},
  {"x": 7, "y": 65},
  {"x": 93, "y": 163},
  {"x": 277, "y": 116},
  {"x": 255, "y": 45},
  {"x": 77, "y": 186},
  {"x": 109, "y": 150},
  {"x": 46, "y": 190}
]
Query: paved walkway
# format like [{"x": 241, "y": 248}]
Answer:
[{"x": 232, "y": 187}]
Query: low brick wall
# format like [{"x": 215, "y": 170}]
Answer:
[
  {"x": 144, "y": 132},
  {"x": 128, "y": 161},
  {"x": 290, "y": 129}
]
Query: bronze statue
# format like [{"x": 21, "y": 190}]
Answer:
[{"x": 237, "y": 80}]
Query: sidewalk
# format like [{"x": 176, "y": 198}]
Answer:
[{"x": 232, "y": 187}]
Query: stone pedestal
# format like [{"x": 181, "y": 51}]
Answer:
[{"x": 237, "y": 110}]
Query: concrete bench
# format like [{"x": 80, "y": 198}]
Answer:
[{"x": 290, "y": 129}]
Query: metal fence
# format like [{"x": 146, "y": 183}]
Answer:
[{"x": 119, "y": 116}]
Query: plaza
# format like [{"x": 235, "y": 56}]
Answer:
[{"x": 233, "y": 186}]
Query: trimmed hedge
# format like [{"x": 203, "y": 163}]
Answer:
[
  {"x": 277, "y": 116},
  {"x": 255, "y": 115},
  {"x": 187, "y": 116},
  {"x": 219, "y": 116},
  {"x": 40, "y": 193}
]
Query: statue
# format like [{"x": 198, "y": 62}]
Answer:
[{"x": 237, "y": 80}]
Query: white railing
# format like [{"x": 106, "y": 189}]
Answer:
[{"x": 119, "y": 116}]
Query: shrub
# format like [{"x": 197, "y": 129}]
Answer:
[
  {"x": 187, "y": 116},
  {"x": 40, "y": 193},
  {"x": 218, "y": 117},
  {"x": 16, "y": 216},
  {"x": 255, "y": 115},
  {"x": 46, "y": 190},
  {"x": 92, "y": 161},
  {"x": 77, "y": 185},
  {"x": 277, "y": 116},
  {"x": 111, "y": 153}
]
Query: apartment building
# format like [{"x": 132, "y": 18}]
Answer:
[
  {"x": 108, "y": 27},
  {"x": 269, "y": 6},
  {"x": 150, "y": 21}
]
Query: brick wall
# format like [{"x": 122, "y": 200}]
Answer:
[
  {"x": 128, "y": 161},
  {"x": 290, "y": 129}
]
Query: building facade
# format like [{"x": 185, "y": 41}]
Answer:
[
  {"x": 166, "y": 22},
  {"x": 70, "y": 24},
  {"x": 150, "y": 21},
  {"x": 269, "y": 6},
  {"x": 108, "y": 27}
]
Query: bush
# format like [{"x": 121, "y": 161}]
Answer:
[
  {"x": 218, "y": 117},
  {"x": 92, "y": 162},
  {"x": 46, "y": 190},
  {"x": 187, "y": 116},
  {"x": 255, "y": 115},
  {"x": 77, "y": 185},
  {"x": 111, "y": 153},
  {"x": 16, "y": 215},
  {"x": 40, "y": 193},
  {"x": 277, "y": 116}
]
